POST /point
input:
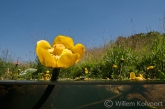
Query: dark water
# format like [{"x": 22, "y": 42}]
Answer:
[{"x": 84, "y": 96}]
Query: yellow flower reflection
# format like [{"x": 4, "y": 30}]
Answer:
[{"x": 63, "y": 53}]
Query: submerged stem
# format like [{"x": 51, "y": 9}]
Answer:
[{"x": 48, "y": 90}]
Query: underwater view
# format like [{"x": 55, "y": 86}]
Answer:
[
  {"x": 84, "y": 96},
  {"x": 85, "y": 54}
]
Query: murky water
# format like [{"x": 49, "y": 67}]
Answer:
[{"x": 84, "y": 96}]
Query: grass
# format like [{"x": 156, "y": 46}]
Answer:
[
  {"x": 129, "y": 54},
  {"x": 114, "y": 60}
]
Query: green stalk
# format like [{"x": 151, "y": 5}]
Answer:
[{"x": 48, "y": 90}]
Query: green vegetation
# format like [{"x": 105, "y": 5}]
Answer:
[
  {"x": 142, "y": 53},
  {"x": 135, "y": 53}
]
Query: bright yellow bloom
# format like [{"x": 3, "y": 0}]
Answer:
[
  {"x": 63, "y": 53},
  {"x": 133, "y": 77},
  {"x": 86, "y": 71},
  {"x": 142, "y": 76},
  {"x": 150, "y": 67},
  {"x": 47, "y": 76},
  {"x": 47, "y": 71},
  {"x": 114, "y": 66},
  {"x": 139, "y": 78}
]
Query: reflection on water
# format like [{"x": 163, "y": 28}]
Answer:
[{"x": 84, "y": 96}]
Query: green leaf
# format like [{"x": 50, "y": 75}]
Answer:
[{"x": 161, "y": 75}]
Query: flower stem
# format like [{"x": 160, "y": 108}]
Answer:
[
  {"x": 55, "y": 74},
  {"x": 48, "y": 90}
]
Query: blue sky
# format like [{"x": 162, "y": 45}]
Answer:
[{"x": 90, "y": 22}]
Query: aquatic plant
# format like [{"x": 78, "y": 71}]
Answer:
[{"x": 62, "y": 54}]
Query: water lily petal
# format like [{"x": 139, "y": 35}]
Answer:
[
  {"x": 142, "y": 76},
  {"x": 43, "y": 44},
  {"x": 139, "y": 78},
  {"x": 46, "y": 58},
  {"x": 65, "y": 40},
  {"x": 67, "y": 60},
  {"x": 80, "y": 49},
  {"x": 132, "y": 75}
]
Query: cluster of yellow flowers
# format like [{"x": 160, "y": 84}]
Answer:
[
  {"x": 63, "y": 54},
  {"x": 133, "y": 77},
  {"x": 45, "y": 76},
  {"x": 140, "y": 77}
]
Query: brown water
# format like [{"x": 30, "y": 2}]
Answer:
[{"x": 84, "y": 96}]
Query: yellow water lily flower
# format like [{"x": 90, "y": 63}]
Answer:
[
  {"x": 138, "y": 78},
  {"x": 114, "y": 66},
  {"x": 62, "y": 54},
  {"x": 142, "y": 76},
  {"x": 133, "y": 77},
  {"x": 150, "y": 67},
  {"x": 86, "y": 71},
  {"x": 47, "y": 76},
  {"x": 47, "y": 71}
]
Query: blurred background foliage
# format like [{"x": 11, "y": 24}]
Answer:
[{"x": 113, "y": 60}]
